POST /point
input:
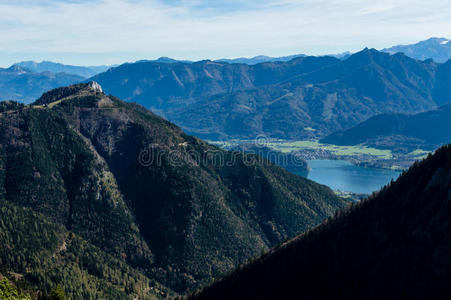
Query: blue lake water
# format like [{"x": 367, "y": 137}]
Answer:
[{"x": 344, "y": 176}]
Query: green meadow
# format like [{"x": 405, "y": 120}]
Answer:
[{"x": 289, "y": 146}]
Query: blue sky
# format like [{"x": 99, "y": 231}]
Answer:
[{"x": 114, "y": 31}]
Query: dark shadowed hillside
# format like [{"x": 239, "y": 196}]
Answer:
[
  {"x": 307, "y": 97},
  {"x": 394, "y": 245},
  {"x": 126, "y": 182},
  {"x": 426, "y": 130},
  {"x": 291, "y": 162}
]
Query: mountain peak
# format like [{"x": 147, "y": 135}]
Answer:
[
  {"x": 440, "y": 40},
  {"x": 19, "y": 69},
  {"x": 91, "y": 88},
  {"x": 95, "y": 86},
  {"x": 436, "y": 48},
  {"x": 367, "y": 55}
]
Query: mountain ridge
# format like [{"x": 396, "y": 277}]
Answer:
[
  {"x": 393, "y": 244},
  {"x": 438, "y": 49},
  {"x": 21, "y": 84},
  {"x": 49, "y": 66},
  {"x": 81, "y": 159},
  {"x": 427, "y": 130},
  {"x": 336, "y": 96},
  {"x": 284, "y": 99}
]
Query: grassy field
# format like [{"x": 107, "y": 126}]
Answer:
[
  {"x": 289, "y": 146},
  {"x": 419, "y": 153},
  {"x": 359, "y": 154}
]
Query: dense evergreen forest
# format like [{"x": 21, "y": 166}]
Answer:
[
  {"x": 109, "y": 200},
  {"x": 393, "y": 245}
]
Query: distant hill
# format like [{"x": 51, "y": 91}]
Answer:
[
  {"x": 259, "y": 59},
  {"x": 49, "y": 66},
  {"x": 263, "y": 58},
  {"x": 325, "y": 99},
  {"x": 438, "y": 49},
  {"x": 111, "y": 201},
  {"x": 22, "y": 84},
  {"x": 165, "y": 59},
  {"x": 394, "y": 245},
  {"x": 426, "y": 130},
  {"x": 307, "y": 97}
]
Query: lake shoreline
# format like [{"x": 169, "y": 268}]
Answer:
[{"x": 343, "y": 176}]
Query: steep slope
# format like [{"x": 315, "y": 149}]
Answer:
[
  {"x": 442, "y": 90},
  {"x": 47, "y": 254},
  {"x": 49, "y": 66},
  {"x": 394, "y": 245},
  {"x": 426, "y": 130},
  {"x": 291, "y": 162},
  {"x": 21, "y": 84},
  {"x": 439, "y": 49},
  {"x": 137, "y": 187},
  {"x": 282, "y": 99}
]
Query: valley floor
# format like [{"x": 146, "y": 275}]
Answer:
[{"x": 359, "y": 155}]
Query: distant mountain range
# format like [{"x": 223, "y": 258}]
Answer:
[
  {"x": 48, "y": 66},
  {"x": 263, "y": 58},
  {"x": 21, "y": 84},
  {"x": 394, "y": 245},
  {"x": 306, "y": 97},
  {"x": 113, "y": 202},
  {"x": 438, "y": 49},
  {"x": 259, "y": 59},
  {"x": 26, "y": 81},
  {"x": 426, "y": 130}
]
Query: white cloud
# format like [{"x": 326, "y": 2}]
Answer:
[{"x": 118, "y": 30}]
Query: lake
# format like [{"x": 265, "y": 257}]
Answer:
[{"x": 344, "y": 176}]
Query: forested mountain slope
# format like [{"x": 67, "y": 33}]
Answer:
[
  {"x": 427, "y": 130},
  {"x": 163, "y": 204},
  {"x": 394, "y": 245}
]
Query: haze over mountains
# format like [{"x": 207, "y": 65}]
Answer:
[
  {"x": 48, "y": 66},
  {"x": 258, "y": 59},
  {"x": 18, "y": 83},
  {"x": 26, "y": 81},
  {"x": 303, "y": 98},
  {"x": 134, "y": 204},
  {"x": 438, "y": 49}
]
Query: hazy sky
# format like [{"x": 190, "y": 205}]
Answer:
[{"x": 113, "y": 31}]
